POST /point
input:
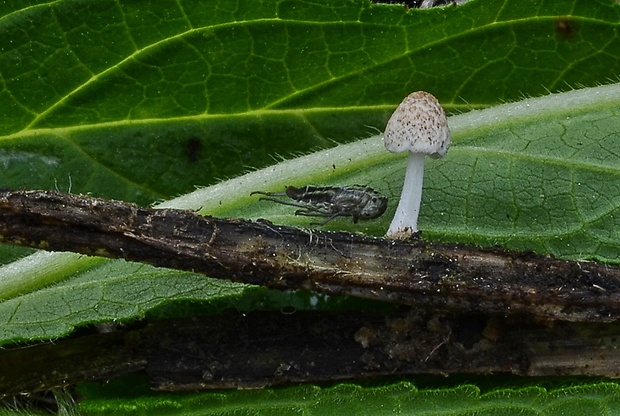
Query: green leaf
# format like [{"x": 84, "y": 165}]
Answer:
[
  {"x": 541, "y": 174},
  {"x": 398, "y": 398},
  {"x": 111, "y": 291},
  {"x": 143, "y": 101}
]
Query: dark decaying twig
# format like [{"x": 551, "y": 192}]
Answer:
[
  {"x": 262, "y": 348},
  {"x": 442, "y": 277}
]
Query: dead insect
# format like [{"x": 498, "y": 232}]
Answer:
[{"x": 356, "y": 201}]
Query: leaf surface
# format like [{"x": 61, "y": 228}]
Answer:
[
  {"x": 397, "y": 398},
  {"x": 143, "y": 102}
]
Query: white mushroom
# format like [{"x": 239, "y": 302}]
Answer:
[{"x": 418, "y": 125}]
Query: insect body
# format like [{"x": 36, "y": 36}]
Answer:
[{"x": 356, "y": 201}]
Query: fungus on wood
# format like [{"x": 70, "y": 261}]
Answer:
[{"x": 420, "y": 127}]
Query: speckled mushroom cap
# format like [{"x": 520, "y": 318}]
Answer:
[{"x": 418, "y": 125}]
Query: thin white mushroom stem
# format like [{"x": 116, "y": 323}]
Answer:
[{"x": 405, "y": 220}]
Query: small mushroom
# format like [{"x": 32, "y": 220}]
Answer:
[{"x": 419, "y": 126}]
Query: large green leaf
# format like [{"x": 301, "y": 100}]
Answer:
[{"x": 141, "y": 101}]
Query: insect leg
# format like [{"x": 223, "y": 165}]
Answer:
[
  {"x": 268, "y": 193},
  {"x": 279, "y": 201},
  {"x": 318, "y": 213},
  {"x": 311, "y": 212},
  {"x": 327, "y": 220}
]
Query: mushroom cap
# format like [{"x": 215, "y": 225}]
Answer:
[{"x": 418, "y": 125}]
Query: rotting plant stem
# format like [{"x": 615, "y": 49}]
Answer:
[{"x": 444, "y": 277}]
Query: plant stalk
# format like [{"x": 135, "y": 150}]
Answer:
[{"x": 437, "y": 276}]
